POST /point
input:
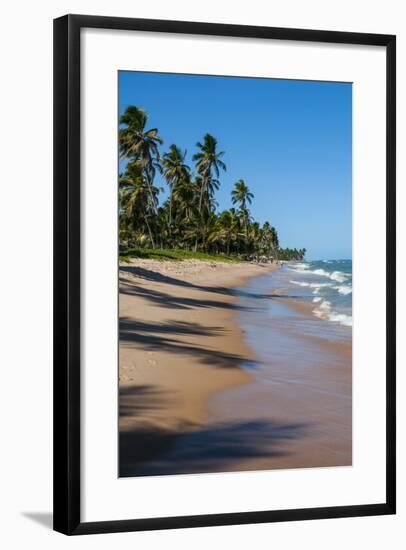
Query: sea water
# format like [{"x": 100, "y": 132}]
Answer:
[
  {"x": 272, "y": 313},
  {"x": 327, "y": 284}
]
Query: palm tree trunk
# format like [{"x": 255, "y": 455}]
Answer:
[
  {"x": 202, "y": 190},
  {"x": 150, "y": 232},
  {"x": 152, "y": 198},
  {"x": 170, "y": 210}
]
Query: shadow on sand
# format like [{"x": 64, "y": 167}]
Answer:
[
  {"x": 137, "y": 400},
  {"x": 214, "y": 448},
  {"x": 146, "y": 449},
  {"x": 151, "y": 450},
  {"x": 160, "y": 337},
  {"x": 180, "y": 302},
  {"x": 150, "y": 275}
]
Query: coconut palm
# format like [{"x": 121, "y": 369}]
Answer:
[
  {"x": 242, "y": 196},
  {"x": 135, "y": 196},
  {"x": 137, "y": 143},
  {"x": 274, "y": 242},
  {"x": 185, "y": 197},
  {"x": 188, "y": 216},
  {"x": 134, "y": 140},
  {"x": 175, "y": 171},
  {"x": 208, "y": 162},
  {"x": 228, "y": 228},
  {"x": 203, "y": 230}
]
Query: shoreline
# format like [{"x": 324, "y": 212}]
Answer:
[
  {"x": 190, "y": 334},
  {"x": 297, "y": 413},
  {"x": 180, "y": 345}
]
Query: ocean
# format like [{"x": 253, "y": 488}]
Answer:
[
  {"x": 327, "y": 284},
  {"x": 273, "y": 317}
]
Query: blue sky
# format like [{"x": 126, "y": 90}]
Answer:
[{"x": 291, "y": 141}]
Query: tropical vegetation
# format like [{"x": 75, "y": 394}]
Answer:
[{"x": 187, "y": 223}]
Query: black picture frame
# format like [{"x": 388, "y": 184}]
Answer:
[{"x": 67, "y": 295}]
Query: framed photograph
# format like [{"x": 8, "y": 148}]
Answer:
[{"x": 224, "y": 270}]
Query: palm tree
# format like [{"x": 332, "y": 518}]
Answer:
[
  {"x": 208, "y": 160},
  {"x": 175, "y": 171},
  {"x": 184, "y": 197},
  {"x": 274, "y": 242},
  {"x": 241, "y": 194},
  {"x": 266, "y": 244},
  {"x": 203, "y": 230},
  {"x": 135, "y": 198},
  {"x": 228, "y": 225},
  {"x": 137, "y": 143},
  {"x": 188, "y": 217}
]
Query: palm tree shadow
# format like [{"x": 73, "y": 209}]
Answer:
[
  {"x": 173, "y": 301},
  {"x": 138, "y": 400},
  {"x": 157, "y": 277},
  {"x": 148, "y": 451},
  {"x": 161, "y": 337},
  {"x": 154, "y": 276}
]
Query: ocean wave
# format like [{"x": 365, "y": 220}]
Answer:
[
  {"x": 341, "y": 318},
  {"x": 337, "y": 276},
  {"x": 343, "y": 289},
  {"x": 311, "y": 285},
  {"x": 299, "y": 268},
  {"x": 299, "y": 283},
  {"x": 324, "y": 311}
]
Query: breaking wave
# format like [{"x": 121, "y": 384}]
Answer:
[
  {"x": 328, "y": 285},
  {"x": 325, "y": 311}
]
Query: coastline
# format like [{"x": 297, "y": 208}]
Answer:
[
  {"x": 221, "y": 372},
  {"x": 180, "y": 345},
  {"x": 297, "y": 413}
]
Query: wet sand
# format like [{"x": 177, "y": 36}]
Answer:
[
  {"x": 301, "y": 396},
  {"x": 213, "y": 380}
]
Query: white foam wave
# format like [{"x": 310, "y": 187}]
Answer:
[
  {"x": 343, "y": 289},
  {"x": 311, "y": 285},
  {"x": 317, "y": 299},
  {"x": 299, "y": 268},
  {"x": 338, "y": 276},
  {"x": 324, "y": 311},
  {"x": 341, "y": 318},
  {"x": 299, "y": 283}
]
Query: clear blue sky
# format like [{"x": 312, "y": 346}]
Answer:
[{"x": 291, "y": 141}]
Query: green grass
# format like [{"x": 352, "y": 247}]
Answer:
[{"x": 170, "y": 255}]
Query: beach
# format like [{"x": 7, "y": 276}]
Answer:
[{"x": 210, "y": 382}]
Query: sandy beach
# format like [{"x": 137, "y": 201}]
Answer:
[{"x": 192, "y": 391}]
